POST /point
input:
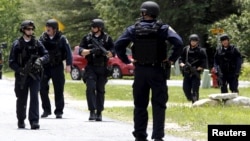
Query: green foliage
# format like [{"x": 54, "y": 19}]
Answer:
[
  {"x": 118, "y": 14},
  {"x": 184, "y": 16},
  {"x": 75, "y": 15},
  {"x": 9, "y": 27},
  {"x": 238, "y": 27},
  {"x": 245, "y": 73}
]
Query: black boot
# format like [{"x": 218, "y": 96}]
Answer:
[
  {"x": 45, "y": 114},
  {"x": 99, "y": 116},
  {"x": 21, "y": 124},
  {"x": 34, "y": 125},
  {"x": 92, "y": 115}
]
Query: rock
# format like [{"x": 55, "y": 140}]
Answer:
[
  {"x": 206, "y": 102},
  {"x": 240, "y": 100},
  {"x": 223, "y": 96}
]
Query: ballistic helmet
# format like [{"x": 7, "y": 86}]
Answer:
[
  {"x": 97, "y": 23},
  {"x": 25, "y": 24},
  {"x": 194, "y": 37},
  {"x": 52, "y": 23},
  {"x": 224, "y": 37},
  {"x": 151, "y": 8}
]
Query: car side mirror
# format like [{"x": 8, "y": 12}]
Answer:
[{"x": 3, "y": 45}]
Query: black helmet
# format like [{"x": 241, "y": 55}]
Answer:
[
  {"x": 224, "y": 37},
  {"x": 25, "y": 24},
  {"x": 194, "y": 37},
  {"x": 97, "y": 23},
  {"x": 52, "y": 23},
  {"x": 150, "y": 8}
]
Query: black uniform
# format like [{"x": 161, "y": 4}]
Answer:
[
  {"x": 192, "y": 58},
  {"x": 149, "y": 50},
  {"x": 228, "y": 65},
  {"x": 27, "y": 78},
  {"x": 96, "y": 72},
  {"x": 59, "y": 50}
]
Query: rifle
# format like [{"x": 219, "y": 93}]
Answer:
[
  {"x": 28, "y": 71},
  {"x": 220, "y": 75},
  {"x": 192, "y": 70},
  {"x": 97, "y": 44}
]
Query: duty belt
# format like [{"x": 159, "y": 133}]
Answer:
[
  {"x": 98, "y": 64},
  {"x": 149, "y": 64}
]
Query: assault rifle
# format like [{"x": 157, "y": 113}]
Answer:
[
  {"x": 28, "y": 71},
  {"x": 191, "y": 70},
  {"x": 97, "y": 44},
  {"x": 219, "y": 75}
]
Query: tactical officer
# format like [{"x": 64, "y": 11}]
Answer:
[
  {"x": 59, "y": 50},
  {"x": 149, "y": 50},
  {"x": 193, "y": 61},
  {"x": 227, "y": 62},
  {"x": 26, "y": 58},
  {"x": 97, "y": 47}
]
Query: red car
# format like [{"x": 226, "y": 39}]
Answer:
[{"x": 119, "y": 68}]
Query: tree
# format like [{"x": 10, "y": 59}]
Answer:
[
  {"x": 9, "y": 27},
  {"x": 75, "y": 15},
  {"x": 186, "y": 16}
]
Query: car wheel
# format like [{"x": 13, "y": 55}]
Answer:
[
  {"x": 75, "y": 73},
  {"x": 0, "y": 75},
  {"x": 116, "y": 72}
]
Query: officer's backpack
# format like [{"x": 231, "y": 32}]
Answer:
[{"x": 146, "y": 47}]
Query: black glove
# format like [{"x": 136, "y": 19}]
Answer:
[
  {"x": 95, "y": 51},
  {"x": 38, "y": 63},
  {"x": 90, "y": 46},
  {"x": 21, "y": 71}
]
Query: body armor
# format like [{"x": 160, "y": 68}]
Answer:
[
  {"x": 28, "y": 53},
  {"x": 53, "y": 46},
  {"x": 147, "y": 48},
  {"x": 97, "y": 59},
  {"x": 226, "y": 61}
]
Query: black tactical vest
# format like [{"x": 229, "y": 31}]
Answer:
[
  {"x": 56, "y": 56},
  {"x": 97, "y": 59},
  {"x": 146, "y": 48},
  {"x": 28, "y": 50},
  {"x": 227, "y": 59}
]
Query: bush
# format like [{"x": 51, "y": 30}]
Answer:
[{"x": 245, "y": 72}]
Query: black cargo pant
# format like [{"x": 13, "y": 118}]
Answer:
[
  {"x": 96, "y": 78},
  {"x": 56, "y": 73},
  {"x": 232, "y": 81},
  {"x": 191, "y": 85},
  {"x": 146, "y": 78},
  {"x": 33, "y": 87}
]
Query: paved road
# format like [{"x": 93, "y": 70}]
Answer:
[{"x": 73, "y": 127}]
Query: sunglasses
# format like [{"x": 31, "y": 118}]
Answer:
[{"x": 29, "y": 29}]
